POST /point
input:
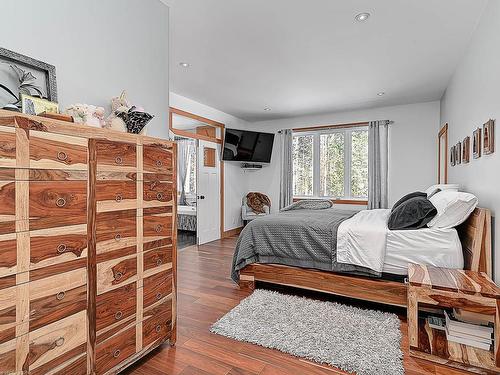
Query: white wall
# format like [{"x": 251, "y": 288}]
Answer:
[
  {"x": 235, "y": 180},
  {"x": 472, "y": 98},
  {"x": 412, "y": 150},
  {"x": 99, "y": 48}
]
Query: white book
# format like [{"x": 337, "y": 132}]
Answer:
[
  {"x": 464, "y": 341},
  {"x": 467, "y": 328}
]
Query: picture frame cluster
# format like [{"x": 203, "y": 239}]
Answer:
[{"x": 483, "y": 143}]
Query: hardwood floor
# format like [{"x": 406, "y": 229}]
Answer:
[{"x": 205, "y": 294}]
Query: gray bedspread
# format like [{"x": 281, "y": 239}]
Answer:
[{"x": 302, "y": 238}]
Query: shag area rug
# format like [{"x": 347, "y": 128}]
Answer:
[{"x": 362, "y": 341}]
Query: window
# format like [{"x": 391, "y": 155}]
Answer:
[{"x": 331, "y": 163}]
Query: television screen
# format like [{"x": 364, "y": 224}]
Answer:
[{"x": 242, "y": 145}]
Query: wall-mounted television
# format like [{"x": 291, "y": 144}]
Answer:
[{"x": 248, "y": 146}]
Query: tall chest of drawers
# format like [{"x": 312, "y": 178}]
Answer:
[{"x": 87, "y": 247}]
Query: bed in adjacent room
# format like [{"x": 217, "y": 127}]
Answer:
[{"x": 356, "y": 254}]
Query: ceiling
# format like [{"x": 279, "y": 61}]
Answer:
[{"x": 307, "y": 57}]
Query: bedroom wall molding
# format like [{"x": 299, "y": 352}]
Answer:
[{"x": 232, "y": 232}]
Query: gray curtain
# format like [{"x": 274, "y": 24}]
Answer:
[
  {"x": 182, "y": 162},
  {"x": 378, "y": 164},
  {"x": 286, "y": 178}
]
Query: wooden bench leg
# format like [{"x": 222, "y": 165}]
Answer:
[{"x": 412, "y": 318}]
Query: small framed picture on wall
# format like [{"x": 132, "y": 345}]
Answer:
[
  {"x": 489, "y": 137},
  {"x": 466, "y": 150},
  {"x": 476, "y": 143},
  {"x": 452, "y": 156},
  {"x": 458, "y": 153}
]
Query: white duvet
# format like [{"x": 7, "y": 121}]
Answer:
[
  {"x": 365, "y": 240},
  {"x": 361, "y": 240}
]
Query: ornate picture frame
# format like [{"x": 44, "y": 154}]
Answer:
[
  {"x": 476, "y": 143},
  {"x": 48, "y": 70},
  {"x": 466, "y": 150},
  {"x": 489, "y": 137}
]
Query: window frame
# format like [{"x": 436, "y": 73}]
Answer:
[{"x": 316, "y": 134}]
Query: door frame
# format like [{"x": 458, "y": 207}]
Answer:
[
  {"x": 443, "y": 136},
  {"x": 219, "y": 140}
]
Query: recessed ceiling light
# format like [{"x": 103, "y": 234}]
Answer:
[
  {"x": 267, "y": 109},
  {"x": 381, "y": 93},
  {"x": 184, "y": 64},
  {"x": 361, "y": 17}
]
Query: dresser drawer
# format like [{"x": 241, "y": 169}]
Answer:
[
  {"x": 115, "y": 350},
  {"x": 115, "y": 155},
  {"x": 7, "y": 206},
  {"x": 57, "y": 151},
  {"x": 8, "y": 254},
  {"x": 116, "y": 195},
  {"x": 57, "y": 245},
  {"x": 114, "y": 273},
  {"x": 166, "y": 176},
  {"x": 8, "y": 319},
  {"x": 8, "y": 357},
  {"x": 157, "y": 158},
  {"x": 157, "y": 323},
  {"x": 55, "y": 204},
  {"x": 116, "y": 230},
  {"x": 157, "y": 287},
  {"x": 157, "y": 258},
  {"x": 157, "y": 226},
  {"x": 115, "y": 306},
  {"x": 156, "y": 193},
  {"x": 57, "y": 297},
  {"x": 7, "y": 146},
  {"x": 57, "y": 343},
  {"x": 75, "y": 366}
]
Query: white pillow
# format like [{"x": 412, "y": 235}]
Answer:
[
  {"x": 453, "y": 208},
  {"x": 432, "y": 189}
]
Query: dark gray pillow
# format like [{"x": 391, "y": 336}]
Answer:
[
  {"x": 414, "y": 213},
  {"x": 407, "y": 197}
]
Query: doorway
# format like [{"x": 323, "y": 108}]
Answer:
[{"x": 200, "y": 178}]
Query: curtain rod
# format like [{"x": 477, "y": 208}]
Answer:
[{"x": 337, "y": 126}]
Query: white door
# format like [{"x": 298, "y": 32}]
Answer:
[{"x": 208, "y": 192}]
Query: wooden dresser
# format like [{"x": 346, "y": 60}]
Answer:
[{"x": 87, "y": 246}]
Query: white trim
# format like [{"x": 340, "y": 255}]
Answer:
[{"x": 347, "y": 160}]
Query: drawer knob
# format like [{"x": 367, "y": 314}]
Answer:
[
  {"x": 60, "y": 296},
  {"x": 159, "y": 228},
  {"x": 60, "y": 202},
  {"x": 59, "y": 341},
  {"x": 118, "y": 198},
  {"x": 158, "y": 328},
  {"x": 118, "y": 276},
  {"x": 159, "y": 163},
  {"x": 158, "y": 296},
  {"x": 118, "y": 160},
  {"x": 159, "y": 262},
  {"x": 61, "y": 248},
  {"x": 118, "y": 315},
  {"x": 62, "y": 156},
  {"x": 118, "y": 237},
  {"x": 159, "y": 196},
  {"x": 116, "y": 353}
]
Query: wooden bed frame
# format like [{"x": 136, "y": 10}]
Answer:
[{"x": 475, "y": 236}]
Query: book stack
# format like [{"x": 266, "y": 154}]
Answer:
[{"x": 479, "y": 335}]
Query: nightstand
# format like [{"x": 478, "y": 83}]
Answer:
[{"x": 436, "y": 288}]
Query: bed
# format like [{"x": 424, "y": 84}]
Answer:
[
  {"x": 468, "y": 247},
  {"x": 186, "y": 218}
]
